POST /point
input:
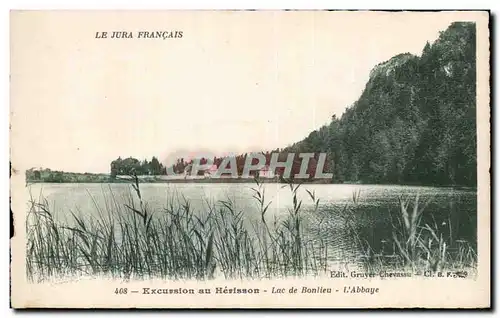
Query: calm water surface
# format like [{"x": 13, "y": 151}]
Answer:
[{"x": 376, "y": 208}]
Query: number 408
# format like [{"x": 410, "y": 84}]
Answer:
[{"x": 121, "y": 291}]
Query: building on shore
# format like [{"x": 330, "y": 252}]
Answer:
[{"x": 266, "y": 172}]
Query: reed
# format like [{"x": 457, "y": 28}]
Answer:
[
  {"x": 417, "y": 241},
  {"x": 129, "y": 240}
]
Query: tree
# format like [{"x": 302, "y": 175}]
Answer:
[
  {"x": 414, "y": 121},
  {"x": 156, "y": 168}
]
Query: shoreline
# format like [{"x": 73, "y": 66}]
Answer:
[
  {"x": 241, "y": 180},
  {"x": 222, "y": 180}
]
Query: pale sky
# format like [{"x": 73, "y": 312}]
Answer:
[{"x": 235, "y": 81}]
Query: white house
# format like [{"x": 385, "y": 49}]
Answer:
[
  {"x": 266, "y": 172},
  {"x": 187, "y": 171}
]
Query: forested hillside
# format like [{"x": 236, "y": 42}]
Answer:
[{"x": 415, "y": 121}]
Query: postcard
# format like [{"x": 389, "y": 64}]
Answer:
[{"x": 250, "y": 159}]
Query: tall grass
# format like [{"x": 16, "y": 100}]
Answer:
[
  {"x": 416, "y": 242},
  {"x": 129, "y": 240}
]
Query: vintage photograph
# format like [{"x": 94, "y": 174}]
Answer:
[{"x": 250, "y": 158}]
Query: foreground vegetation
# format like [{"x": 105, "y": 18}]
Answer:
[
  {"x": 413, "y": 240},
  {"x": 129, "y": 240}
]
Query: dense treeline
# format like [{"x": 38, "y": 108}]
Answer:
[
  {"x": 129, "y": 166},
  {"x": 132, "y": 165},
  {"x": 415, "y": 121}
]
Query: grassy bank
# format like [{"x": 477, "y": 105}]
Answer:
[
  {"x": 130, "y": 240},
  {"x": 49, "y": 176}
]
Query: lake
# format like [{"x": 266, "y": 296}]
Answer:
[{"x": 450, "y": 209}]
